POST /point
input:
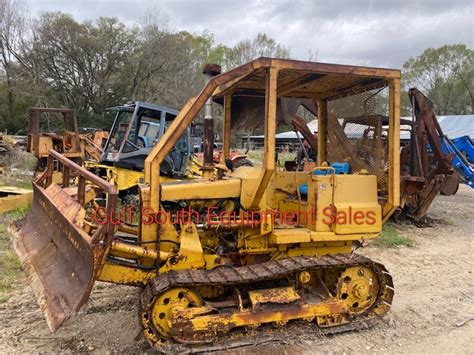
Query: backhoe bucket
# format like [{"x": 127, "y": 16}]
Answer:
[{"x": 56, "y": 253}]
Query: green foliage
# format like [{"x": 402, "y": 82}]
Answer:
[
  {"x": 390, "y": 238},
  {"x": 17, "y": 213},
  {"x": 445, "y": 75},
  {"x": 247, "y": 50},
  {"x": 79, "y": 62},
  {"x": 20, "y": 160},
  {"x": 255, "y": 155},
  {"x": 57, "y": 61},
  {"x": 11, "y": 275},
  {"x": 23, "y": 182}
]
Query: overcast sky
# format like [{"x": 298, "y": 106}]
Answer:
[{"x": 366, "y": 32}]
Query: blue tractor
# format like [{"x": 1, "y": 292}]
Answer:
[
  {"x": 466, "y": 147},
  {"x": 462, "y": 151}
]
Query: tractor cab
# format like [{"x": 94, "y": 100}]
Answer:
[{"x": 136, "y": 128}]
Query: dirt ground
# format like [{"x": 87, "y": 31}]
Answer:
[{"x": 433, "y": 308}]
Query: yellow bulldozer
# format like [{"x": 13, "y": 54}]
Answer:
[{"x": 248, "y": 246}]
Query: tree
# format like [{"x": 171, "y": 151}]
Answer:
[
  {"x": 79, "y": 62},
  {"x": 55, "y": 60},
  {"x": 11, "y": 27},
  {"x": 166, "y": 67},
  {"x": 446, "y": 76},
  {"x": 247, "y": 50}
]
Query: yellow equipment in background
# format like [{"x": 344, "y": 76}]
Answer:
[
  {"x": 12, "y": 197},
  {"x": 122, "y": 178},
  {"x": 63, "y": 136},
  {"x": 247, "y": 246}
]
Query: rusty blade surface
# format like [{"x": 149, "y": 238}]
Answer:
[{"x": 55, "y": 254}]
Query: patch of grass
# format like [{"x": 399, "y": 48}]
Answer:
[
  {"x": 20, "y": 161},
  {"x": 17, "y": 213},
  {"x": 285, "y": 156},
  {"x": 19, "y": 167},
  {"x": 23, "y": 182},
  {"x": 11, "y": 274},
  {"x": 256, "y": 156},
  {"x": 448, "y": 222},
  {"x": 4, "y": 238},
  {"x": 9, "y": 262},
  {"x": 4, "y": 298},
  {"x": 391, "y": 238}
]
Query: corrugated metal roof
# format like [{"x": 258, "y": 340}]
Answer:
[
  {"x": 454, "y": 126},
  {"x": 313, "y": 127},
  {"x": 457, "y": 126}
]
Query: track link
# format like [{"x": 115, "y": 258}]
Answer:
[{"x": 252, "y": 274}]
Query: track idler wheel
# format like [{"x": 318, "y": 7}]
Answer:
[
  {"x": 158, "y": 317},
  {"x": 358, "y": 287}
]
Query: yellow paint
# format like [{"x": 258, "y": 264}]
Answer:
[
  {"x": 45, "y": 144},
  {"x": 393, "y": 198},
  {"x": 124, "y": 275},
  {"x": 122, "y": 178},
  {"x": 200, "y": 189},
  {"x": 231, "y": 320},
  {"x": 273, "y": 295},
  {"x": 270, "y": 133},
  {"x": 290, "y": 236},
  {"x": 135, "y": 250},
  {"x": 319, "y": 249},
  {"x": 16, "y": 198},
  {"x": 358, "y": 288},
  {"x": 190, "y": 255},
  {"x": 166, "y": 305},
  {"x": 355, "y": 196},
  {"x": 250, "y": 178},
  {"x": 304, "y": 277},
  {"x": 320, "y": 196}
]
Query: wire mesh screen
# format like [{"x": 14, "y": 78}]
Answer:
[{"x": 356, "y": 133}]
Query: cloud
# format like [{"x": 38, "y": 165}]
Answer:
[{"x": 369, "y": 32}]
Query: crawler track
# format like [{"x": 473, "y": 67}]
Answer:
[{"x": 185, "y": 338}]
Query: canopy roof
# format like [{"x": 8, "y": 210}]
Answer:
[
  {"x": 297, "y": 81},
  {"x": 301, "y": 79}
]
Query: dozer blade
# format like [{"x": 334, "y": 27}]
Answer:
[{"x": 55, "y": 253}]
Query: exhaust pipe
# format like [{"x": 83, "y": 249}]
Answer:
[{"x": 209, "y": 71}]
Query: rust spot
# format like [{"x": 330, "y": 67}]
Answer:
[{"x": 273, "y": 295}]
